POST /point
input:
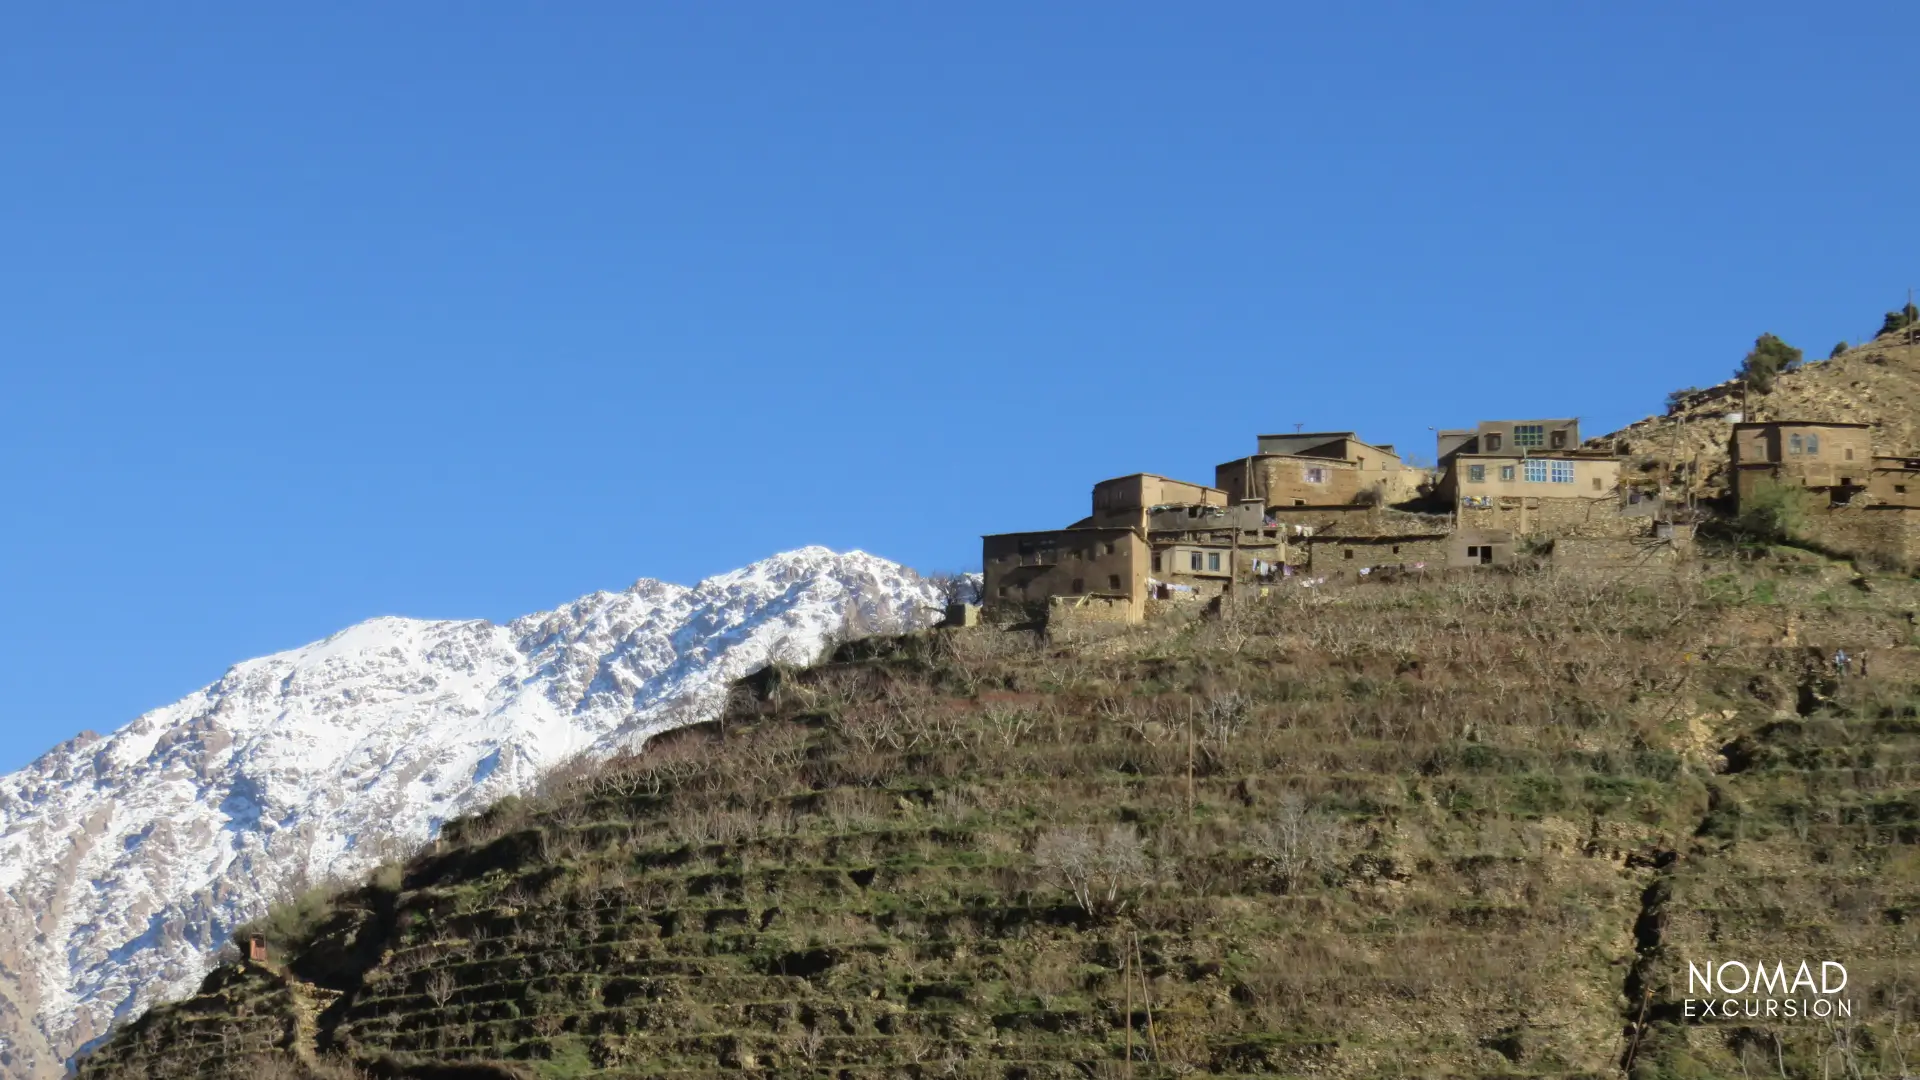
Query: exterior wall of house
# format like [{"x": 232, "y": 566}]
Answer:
[
  {"x": 1125, "y": 500},
  {"x": 1800, "y": 454},
  {"x": 1509, "y": 438},
  {"x": 1480, "y": 547},
  {"x": 1350, "y": 554},
  {"x": 1563, "y": 477},
  {"x": 1029, "y": 567},
  {"x": 1895, "y": 481},
  {"x": 1290, "y": 480}
]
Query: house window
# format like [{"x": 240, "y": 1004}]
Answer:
[
  {"x": 1813, "y": 444},
  {"x": 1396, "y": 549},
  {"x": 1493, "y": 443},
  {"x": 1563, "y": 472},
  {"x": 1213, "y": 560},
  {"x": 1194, "y": 560},
  {"x": 1794, "y": 444},
  {"x": 1109, "y": 547},
  {"x": 1559, "y": 440},
  {"x": 1476, "y": 474},
  {"x": 1156, "y": 562},
  {"x": 1004, "y": 591},
  {"x": 1596, "y": 483},
  {"x": 1900, "y": 488},
  {"x": 1506, "y": 472},
  {"x": 1529, "y": 435},
  {"x": 1079, "y": 585},
  {"x": 1316, "y": 474},
  {"x": 1346, "y": 553},
  {"x": 1473, "y": 552},
  {"x": 1536, "y": 471},
  {"x": 1113, "y": 582},
  {"x": 1849, "y": 453}
]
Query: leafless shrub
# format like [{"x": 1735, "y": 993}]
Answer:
[
  {"x": 1097, "y": 866},
  {"x": 1296, "y": 841},
  {"x": 439, "y": 988},
  {"x": 1006, "y": 725}
]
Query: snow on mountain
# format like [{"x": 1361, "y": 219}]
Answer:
[{"x": 125, "y": 861}]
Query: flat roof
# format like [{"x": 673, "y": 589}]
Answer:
[
  {"x": 1062, "y": 532},
  {"x": 1313, "y": 435},
  {"x": 1157, "y": 476}
]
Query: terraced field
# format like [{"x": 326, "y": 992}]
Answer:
[{"x": 1473, "y": 826}]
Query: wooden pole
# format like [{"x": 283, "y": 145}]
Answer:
[
  {"x": 1146, "y": 996},
  {"x": 1189, "y": 769},
  {"x": 1126, "y": 982}
]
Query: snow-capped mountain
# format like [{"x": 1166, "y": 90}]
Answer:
[{"x": 125, "y": 861}]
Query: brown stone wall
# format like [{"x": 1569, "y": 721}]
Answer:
[
  {"x": 1888, "y": 531},
  {"x": 1026, "y": 567},
  {"x": 1348, "y": 554},
  {"x": 1555, "y": 517}
]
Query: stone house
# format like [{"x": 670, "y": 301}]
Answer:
[
  {"x": 1128, "y": 500},
  {"x": 1509, "y": 438},
  {"x": 1328, "y": 468},
  {"x": 1029, "y": 567},
  {"x": 1834, "y": 458},
  {"x": 1895, "y": 481},
  {"x": 1564, "y": 475}
]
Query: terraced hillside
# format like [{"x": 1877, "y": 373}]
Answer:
[{"x": 1469, "y": 826}]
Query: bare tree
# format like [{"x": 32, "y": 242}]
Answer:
[
  {"x": 439, "y": 987},
  {"x": 1096, "y": 865},
  {"x": 1297, "y": 841}
]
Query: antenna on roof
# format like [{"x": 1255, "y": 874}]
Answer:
[{"x": 1297, "y": 425}]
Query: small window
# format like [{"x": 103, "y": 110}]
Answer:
[
  {"x": 1795, "y": 444},
  {"x": 1156, "y": 562},
  {"x": 1813, "y": 444},
  {"x": 1596, "y": 483},
  {"x": 1194, "y": 560},
  {"x": 1113, "y": 582},
  {"x": 1396, "y": 549},
  {"x": 1079, "y": 585},
  {"x": 1506, "y": 473},
  {"x": 1473, "y": 552},
  {"x": 1316, "y": 474},
  {"x": 1559, "y": 440},
  {"x": 1476, "y": 474},
  {"x": 1529, "y": 435},
  {"x": 1849, "y": 453},
  {"x": 1299, "y": 502},
  {"x": 1493, "y": 443},
  {"x": 1900, "y": 488},
  {"x": 1213, "y": 560},
  {"x": 1346, "y": 553},
  {"x": 1109, "y": 547},
  {"x": 1004, "y": 591}
]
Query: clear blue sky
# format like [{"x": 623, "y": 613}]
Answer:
[{"x": 319, "y": 312}]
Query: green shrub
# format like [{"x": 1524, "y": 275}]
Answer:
[
  {"x": 1774, "y": 513},
  {"x": 1900, "y": 320}
]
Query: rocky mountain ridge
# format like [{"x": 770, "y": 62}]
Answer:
[{"x": 126, "y": 860}]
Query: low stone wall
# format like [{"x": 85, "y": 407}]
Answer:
[
  {"x": 1556, "y": 517},
  {"x": 1890, "y": 532},
  {"x": 1089, "y": 610},
  {"x": 1616, "y": 552}
]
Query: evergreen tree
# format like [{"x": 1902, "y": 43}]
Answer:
[{"x": 1769, "y": 358}]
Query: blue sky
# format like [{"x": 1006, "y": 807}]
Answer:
[{"x": 316, "y": 313}]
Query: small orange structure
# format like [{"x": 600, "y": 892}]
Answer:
[{"x": 257, "y": 949}]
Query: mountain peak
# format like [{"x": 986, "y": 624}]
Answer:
[{"x": 126, "y": 860}]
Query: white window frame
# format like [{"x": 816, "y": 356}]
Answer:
[
  {"x": 1562, "y": 472},
  {"x": 1315, "y": 474},
  {"x": 1536, "y": 470}
]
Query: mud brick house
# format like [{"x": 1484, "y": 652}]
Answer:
[
  {"x": 1129, "y": 500},
  {"x": 1329, "y": 468},
  {"x": 1895, "y": 481},
  {"x": 1836, "y": 459},
  {"x": 1509, "y": 438},
  {"x": 1109, "y": 562}
]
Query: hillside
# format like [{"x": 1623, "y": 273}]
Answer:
[
  {"x": 1877, "y": 383},
  {"x": 126, "y": 860},
  {"x": 1453, "y": 827}
]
